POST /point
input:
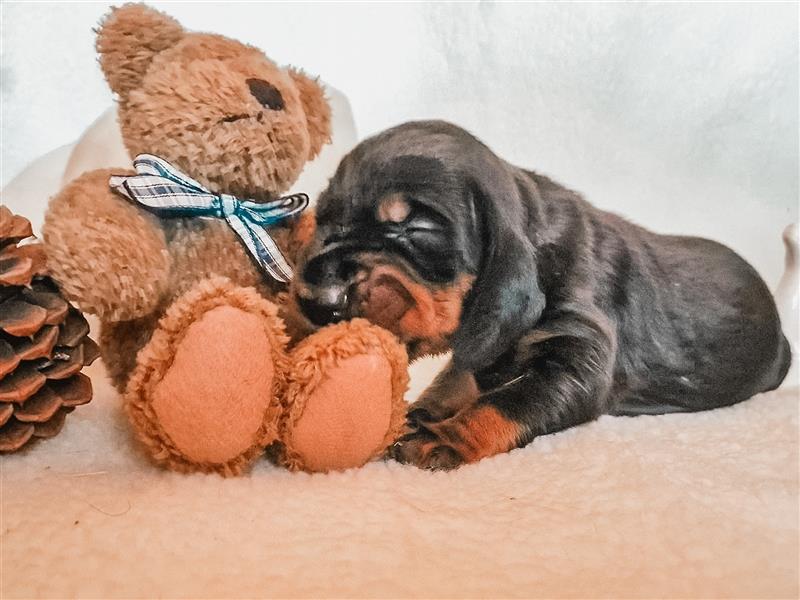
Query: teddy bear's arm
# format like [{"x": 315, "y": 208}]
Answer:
[{"x": 107, "y": 255}]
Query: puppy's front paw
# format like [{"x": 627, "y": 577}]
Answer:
[
  {"x": 422, "y": 449},
  {"x": 470, "y": 435}
]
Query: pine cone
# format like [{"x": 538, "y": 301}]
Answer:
[{"x": 44, "y": 343}]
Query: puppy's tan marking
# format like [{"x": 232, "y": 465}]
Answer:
[
  {"x": 435, "y": 313},
  {"x": 477, "y": 432},
  {"x": 393, "y": 208},
  {"x": 416, "y": 312},
  {"x": 474, "y": 433}
]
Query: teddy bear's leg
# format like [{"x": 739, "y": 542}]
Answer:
[
  {"x": 345, "y": 401},
  {"x": 120, "y": 342},
  {"x": 206, "y": 391},
  {"x": 107, "y": 255}
]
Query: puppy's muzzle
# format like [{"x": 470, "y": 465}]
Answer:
[{"x": 323, "y": 288}]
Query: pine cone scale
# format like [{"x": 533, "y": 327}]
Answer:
[
  {"x": 19, "y": 318},
  {"x": 66, "y": 363},
  {"x": 6, "y": 410},
  {"x": 73, "y": 330},
  {"x": 39, "y": 345},
  {"x": 52, "y": 427},
  {"x": 23, "y": 383},
  {"x": 15, "y": 270},
  {"x": 91, "y": 351},
  {"x": 14, "y": 435},
  {"x": 13, "y": 228},
  {"x": 73, "y": 391},
  {"x": 35, "y": 253},
  {"x": 9, "y": 359},
  {"x": 56, "y": 307},
  {"x": 40, "y": 407}
]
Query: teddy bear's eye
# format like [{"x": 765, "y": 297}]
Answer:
[{"x": 266, "y": 94}]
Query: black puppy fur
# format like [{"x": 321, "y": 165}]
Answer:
[{"x": 573, "y": 312}]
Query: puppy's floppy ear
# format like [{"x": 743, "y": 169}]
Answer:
[
  {"x": 505, "y": 300},
  {"x": 317, "y": 109},
  {"x": 128, "y": 39}
]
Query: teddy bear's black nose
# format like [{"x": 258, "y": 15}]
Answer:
[{"x": 266, "y": 94}]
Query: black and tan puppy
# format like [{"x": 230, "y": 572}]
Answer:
[{"x": 556, "y": 312}]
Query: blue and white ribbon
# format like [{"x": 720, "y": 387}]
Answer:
[{"x": 164, "y": 190}]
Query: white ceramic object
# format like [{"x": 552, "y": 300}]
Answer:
[
  {"x": 100, "y": 146},
  {"x": 787, "y": 297}
]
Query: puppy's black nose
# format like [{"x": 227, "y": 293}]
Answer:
[
  {"x": 325, "y": 306},
  {"x": 267, "y": 94},
  {"x": 322, "y": 290}
]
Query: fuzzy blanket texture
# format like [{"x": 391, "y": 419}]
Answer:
[{"x": 686, "y": 505}]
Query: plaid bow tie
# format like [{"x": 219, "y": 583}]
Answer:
[{"x": 165, "y": 191}]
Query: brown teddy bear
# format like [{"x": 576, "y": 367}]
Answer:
[{"x": 190, "y": 287}]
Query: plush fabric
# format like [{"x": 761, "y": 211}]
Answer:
[
  {"x": 93, "y": 230},
  {"x": 189, "y": 99},
  {"x": 201, "y": 377},
  {"x": 684, "y": 505},
  {"x": 344, "y": 403},
  {"x": 216, "y": 365},
  {"x": 340, "y": 428},
  {"x": 215, "y": 385},
  {"x": 173, "y": 85}
]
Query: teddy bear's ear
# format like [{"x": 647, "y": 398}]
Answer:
[
  {"x": 127, "y": 40},
  {"x": 317, "y": 109}
]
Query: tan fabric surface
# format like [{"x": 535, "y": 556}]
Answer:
[{"x": 702, "y": 505}]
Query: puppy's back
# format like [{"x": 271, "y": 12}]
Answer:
[
  {"x": 713, "y": 327},
  {"x": 697, "y": 327}
]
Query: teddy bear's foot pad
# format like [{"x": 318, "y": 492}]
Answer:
[
  {"x": 211, "y": 402},
  {"x": 347, "y": 416},
  {"x": 345, "y": 399},
  {"x": 205, "y": 392}
]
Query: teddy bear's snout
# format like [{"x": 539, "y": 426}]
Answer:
[{"x": 267, "y": 94}]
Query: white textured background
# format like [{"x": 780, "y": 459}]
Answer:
[{"x": 683, "y": 117}]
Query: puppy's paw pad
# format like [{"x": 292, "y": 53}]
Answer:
[{"x": 422, "y": 449}]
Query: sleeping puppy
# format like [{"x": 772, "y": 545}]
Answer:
[{"x": 556, "y": 312}]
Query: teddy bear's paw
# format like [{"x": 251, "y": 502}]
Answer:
[
  {"x": 346, "y": 416},
  {"x": 345, "y": 398},
  {"x": 204, "y": 396}
]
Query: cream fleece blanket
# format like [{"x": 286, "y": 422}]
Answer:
[{"x": 700, "y": 505}]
